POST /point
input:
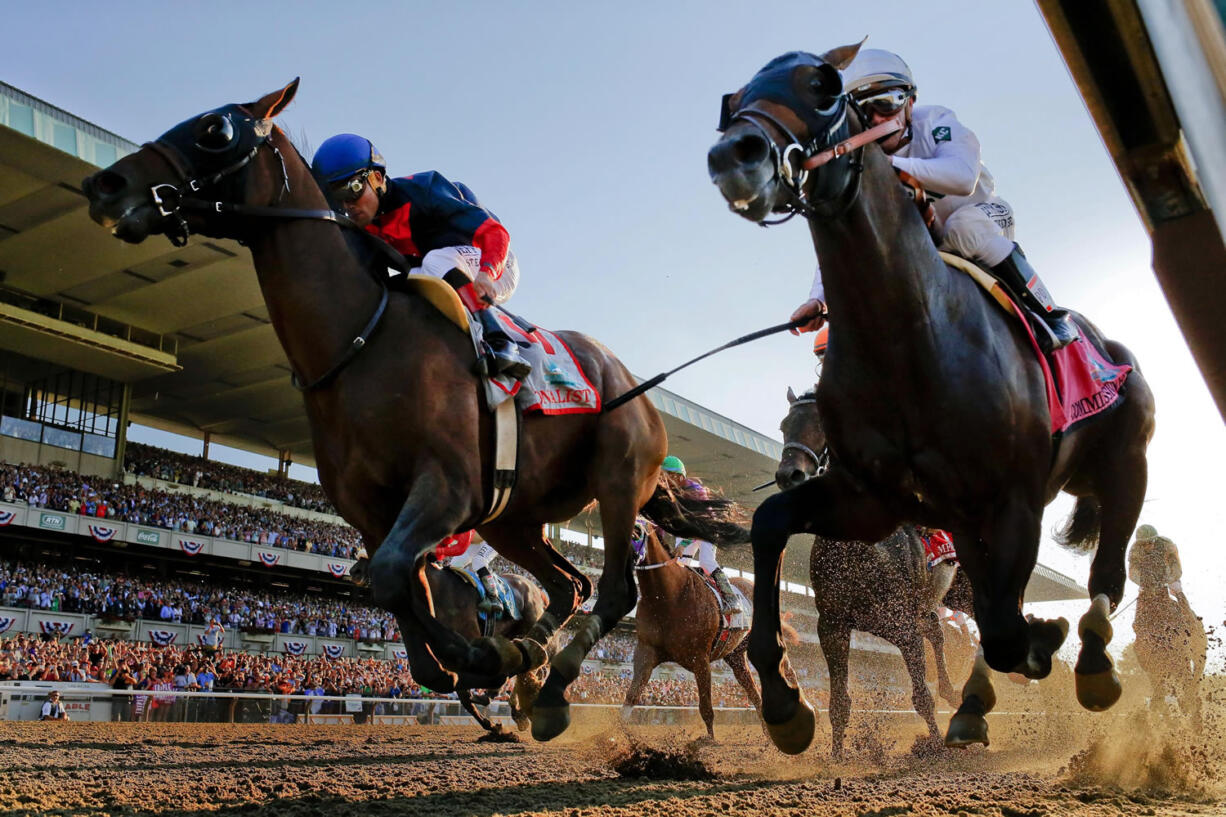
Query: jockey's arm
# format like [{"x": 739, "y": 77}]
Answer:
[
  {"x": 953, "y": 170},
  {"x": 471, "y": 223},
  {"x": 814, "y": 309}
]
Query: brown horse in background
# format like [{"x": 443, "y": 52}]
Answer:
[
  {"x": 403, "y": 440},
  {"x": 1171, "y": 642},
  {"x": 932, "y": 398},
  {"x": 884, "y": 588},
  {"x": 455, "y": 603},
  {"x": 678, "y": 619}
]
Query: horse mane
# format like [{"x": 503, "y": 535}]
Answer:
[{"x": 693, "y": 512}]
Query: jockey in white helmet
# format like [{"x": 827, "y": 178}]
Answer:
[{"x": 942, "y": 155}]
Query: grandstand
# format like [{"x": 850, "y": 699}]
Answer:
[{"x": 95, "y": 336}]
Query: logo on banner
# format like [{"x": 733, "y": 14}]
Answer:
[
  {"x": 56, "y": 628},
  {"x": 148, "y": 537},
  {"x": 295, "y": 647},
  {"x": 6, "y": 623},
  {"x": 400, "y": 652},
  {"x": 334, "y": 650},
  {"x": 163, "y": 638},
  {"x": 6, "y": 518},
  {"x": 189, "y": 547},
  {"x": 269, "y": 559},
  {"x": 102, "y": 534},
  {"x": 337, "y": 570},
  {"x": 51, "y": 520}
]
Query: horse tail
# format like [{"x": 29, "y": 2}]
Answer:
[
  {"x": 1080, "y": 531},
  {"x": 693, "y": 512}
]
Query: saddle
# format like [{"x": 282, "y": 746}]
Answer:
[
  {"x": 730, "y": 622},
  {"x": 510, "y": 604}
]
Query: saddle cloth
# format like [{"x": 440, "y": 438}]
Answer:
[
  {"x": 1081, "y": 380},
  {"x": 510, "y": 606},
  {"x": 939, "y": 547},
  {"x": 729, "y": 622}
]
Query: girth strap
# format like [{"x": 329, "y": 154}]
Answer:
[{"x": 506, "y": 458}]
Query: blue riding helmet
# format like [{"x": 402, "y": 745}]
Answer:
[{"x": 345, "y": 155}]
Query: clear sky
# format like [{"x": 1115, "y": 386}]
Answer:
[{"x": 585, "y": 127}]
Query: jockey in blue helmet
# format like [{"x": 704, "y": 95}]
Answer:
[
  {"x": 435, "y": 223},
  {"x": 704, "y": 550}
]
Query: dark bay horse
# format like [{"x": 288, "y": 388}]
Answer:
[
  {"x": 1171, "y": 643},
  {"x": 932, "y": 399},
  {"x": 678, "y": 620},
  {"x": 455, "y": 604},
  {"x": 403, "y": 441},
  {"x": 885, "y": 588}
]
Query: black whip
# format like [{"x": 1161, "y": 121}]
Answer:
[{"x": 660, "y": 378}]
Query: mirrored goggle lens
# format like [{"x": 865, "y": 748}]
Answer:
[
  {"x": 350, "y": 191},
  {"x": 887, "y": 102}
]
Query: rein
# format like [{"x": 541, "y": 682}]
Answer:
[{"x": 657, "y": 565}]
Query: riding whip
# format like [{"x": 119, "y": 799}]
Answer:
[{"x": 660, "y": 378}]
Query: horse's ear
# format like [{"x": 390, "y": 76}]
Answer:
[
  {"x": 842, "y": 56},
  {"x": 791, "y": 395},
  {"x": 272, "y": 104}
]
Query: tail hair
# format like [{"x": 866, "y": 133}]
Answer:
[
  {"x": 696, "y": 513},
  {"x": 1081, "y": 529}
]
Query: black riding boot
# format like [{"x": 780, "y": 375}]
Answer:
[
  {"x": 491, "y": 604},
  {"x": 725, "y": 589},
  {"x": 1055, "y": 327},
  {"x": 504, "y": 351}
]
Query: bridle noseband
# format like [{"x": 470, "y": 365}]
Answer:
[{"x": 821, "y": 462}]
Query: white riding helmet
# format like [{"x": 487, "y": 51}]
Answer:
[{"x": 876, "y": 70}]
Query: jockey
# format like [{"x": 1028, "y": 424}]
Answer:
[
  {"x": 938, "y": 153},
  {"x": 704, "y": 550},
  {"x": 435, "y": 223},
  {"x": 464, "y": 553}
]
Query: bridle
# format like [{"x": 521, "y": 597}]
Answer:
[
  {"x": 639, "y": 535},
  {"x": 821, "y": 462},
  {"x": 172, "y": 200}
]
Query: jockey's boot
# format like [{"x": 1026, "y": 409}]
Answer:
[
  {"x": 725, "y": 589},
  {"x": 1055, "y": 327},
  {"x": 491, "y": 604},
  {"x": 504, "y": 352}
]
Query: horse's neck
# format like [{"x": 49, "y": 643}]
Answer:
[{"x": 878, "y": 263}]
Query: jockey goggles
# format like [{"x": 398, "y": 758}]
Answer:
[
  {"x": 885, "y": 103},
  {"x": 351, "y": 189}
]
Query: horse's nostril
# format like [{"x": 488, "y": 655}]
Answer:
[
  {"x": 751, "y": 149},
  {"x": 107, "y": 183},
  {"x": 798, "y": 476}
]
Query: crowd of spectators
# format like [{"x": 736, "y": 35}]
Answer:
[
  {"x": 120, "y": 596},
  {"x": 63, "y": 490},
  {"x": 159, "y": 463}
]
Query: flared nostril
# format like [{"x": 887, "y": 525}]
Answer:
[
  {"x": 105, "y": 184},
  {"x": 750, "y": 149}
]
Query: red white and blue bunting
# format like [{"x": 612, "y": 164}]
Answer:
[
  {"x": 400, "y": 652},
  {"x": 163, "y": 638},
  {"x": 102, "y": 533},
  {"x": 191, "y": 547},
  {"x": 56, "y": 628},
  {"x": 6, "y": 623},
  {"x": 333, "y": 650},
  {"x": 294, "y": 647},
  {"x": 6, "y": 518},
  {"x": 338, "y": 569},
  {"x": 268, "y": 558}
]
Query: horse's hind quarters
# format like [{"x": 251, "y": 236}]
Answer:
[{"x": 794, "y": 735}]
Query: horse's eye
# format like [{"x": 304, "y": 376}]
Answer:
[{"x": 214, "y": 132}]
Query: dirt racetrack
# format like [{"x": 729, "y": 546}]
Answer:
[{"x": 199, "y": 769}]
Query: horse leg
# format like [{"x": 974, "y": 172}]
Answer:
[
  {"x": 466, "y": 700},
  {"x": 616, "y": 596},
  {"x": 702, "y": 677},
  {"x": 739, "y": 664},
  {"x": 970, "y": 724},
  {"x": 912, "y": 650},
  {"x": 646, "y": 658},
  {"x": 930, "y": 627},
  {"x": 835, "y": 640}
]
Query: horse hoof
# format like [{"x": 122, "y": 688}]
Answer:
[
  {"x": 795, "y": 734},
  {"x": 535, "y": 653},
  {"x": 1098, "y": 691},
  {"x": 509, "y": 659},
  {"x": 966, "y": 729},
  {"x": 550, "y": 721}
]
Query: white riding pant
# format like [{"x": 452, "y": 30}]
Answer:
[
  {"x": 467, "y": 260},
  {"x": 706, "y": 555},
  {"x": 981, "y": 232},
  {"x": 478, "y": 556}
]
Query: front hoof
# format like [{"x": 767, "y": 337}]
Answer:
[
  {"x": 550, "y": 721},
  {"x": 966, "y": 729},
  {"x": 498, "y": 735},
  {"x": 1098, "y": 691},
  {"x": 795, "y": 734},
  {"x": 500, "y": 656}
]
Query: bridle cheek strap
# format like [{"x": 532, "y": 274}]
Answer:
[{"x": 854, "y": 143}]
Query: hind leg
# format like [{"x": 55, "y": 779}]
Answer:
[
  {"x": 912, "y": 649},
  {"x": 835, "y": 639},
  {"x": 930, "y": 628},
  {"x": 702, "y": 677},
  {"x": 739, "y": 664}
]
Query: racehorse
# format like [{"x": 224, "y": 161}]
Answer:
[
  {"x": 679, "y": 620},
  {"x": 885, "y": 588},
  {"x": 1171, "y": 643},
  {"x": 455, "y": 603},
  {"x": 403, "y": 443},
  {"x": 932, "y": 398}
]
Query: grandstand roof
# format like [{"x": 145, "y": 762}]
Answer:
[{"x": 188, "y": 328}]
